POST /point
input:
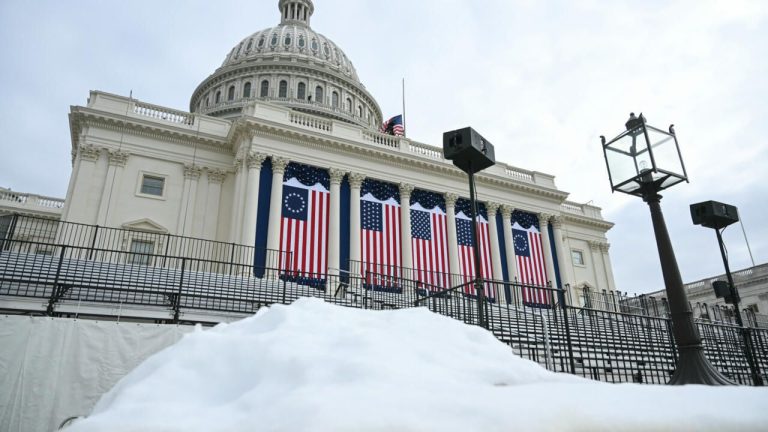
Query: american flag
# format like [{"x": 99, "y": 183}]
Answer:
[
  {"x": 529, "y": 254},
  {"x": 393, "y": 126},
  {"x": 380, "y": 234},
  {"x": 429, "y": 240},
  {"x": 466, "y": 250},
  {"x": 304, "y": 222}
]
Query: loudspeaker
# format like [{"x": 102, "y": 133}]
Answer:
[
  {"x": 713, "y": 214},
  {"x": 723, "y": 290},
  {"x": 465, "y": 147}
]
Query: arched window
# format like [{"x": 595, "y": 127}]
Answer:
[
  {"x": 247, "y": 90},
  {"x": 349, "y": 105},
  {"x": 335, "y": 99},
  {"x": 218, "y": 97},
  {"x": 302, "y": 94},
  {"x": 231, "y": 93},
  {"x": 250, "y": 45},
  {"x": 273, "y": 42},
  {"x": 301, "y": 41},
  {"x": 207, "y": 101},
  {"x": 264, "y": 89},
  {"x": 360, "y": 111},
  {"x": 319, "y": 94},
  {"x": 283, "y": 89},
  {"x": 288, "y": 40}
]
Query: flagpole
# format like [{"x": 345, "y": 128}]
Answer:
[{"x": 404, "y": 128}]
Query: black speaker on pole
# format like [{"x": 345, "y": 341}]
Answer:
[
  {"x": 465, "y": 147},
  {"x": 713, "y": 214}
]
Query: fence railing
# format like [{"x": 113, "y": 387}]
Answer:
[{"x": 80, "y": 270}]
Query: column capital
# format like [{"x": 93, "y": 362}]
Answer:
[
  {"x": 557, "y": 222},
  {"x": 192, "y": 172},
  {"x": 605, "y": 247},
  {"x": 254, "y": 160},
  {"x": 356, "y": 180},
  {"x": 544, "y": 219},
  {"x": 336, "y": 175},
  {"x": 506, "y": 211},
  {"x": 406, "y": 190},
  {"x": 117, "y": 157},
  {"x": 216, "y": 175},
  {"x": 594, "y": 245},
  {"x": 450, "y": 199},
  {"x": 89, "y": 152},
  {"x": 492, "y": 208},
  {"x": 279, "y": 164}
]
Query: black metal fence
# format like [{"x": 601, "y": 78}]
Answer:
[{"x": 65, "y": 269}]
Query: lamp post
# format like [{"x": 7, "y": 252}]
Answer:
[{"x": 642, "y": 161}]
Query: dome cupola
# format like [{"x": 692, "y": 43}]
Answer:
[
  {"x": 289, "y": 65},
  {"x": 296, "y": 11}
]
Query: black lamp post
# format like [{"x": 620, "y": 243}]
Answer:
[{"x": 642, "y": 161}]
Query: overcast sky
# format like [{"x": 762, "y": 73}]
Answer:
[{"x": 542, "y": 80}]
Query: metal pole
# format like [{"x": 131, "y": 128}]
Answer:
[
  {"x": 481, "y": 321},
  {"x": 753, "y": 366},
  {"x": 692, "y": 367}
]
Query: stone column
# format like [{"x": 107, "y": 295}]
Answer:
[
  {"x": 597, "y": 261},
  {"x": 237, "y": 201},
  {"x": 405, "y": 232},
  {"x": 334, "y": 222},
  {"x": 275, "y": 211},
  {"x": 248, "y": 227},
  {"x": 355, "y": 183},
  {"x": 493, "y": 231},
  {"x": 509, "y": 245},
  {"x": 189, "y": 200},
  {"x": 453, "y": 242},
  {"x": 211, "y": 222},
  {"x": 117, "y": 161},
  {"x": 604, "y": 248},
  {"x": 564, "y": 256},
  {"x": 82, "y": 181},
  {"x": 546, "y": 245}
]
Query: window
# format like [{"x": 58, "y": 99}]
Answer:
[
  {"x": 578, "y": 257},
  {"x": 152, "y": 185},
  {"x": 43, "y": 251},
  {"x": 301, "y": 41},
  {"x": 314, "y": 45},
  {"x": 753, "y": 308},
  {"x": 349, "y": 105},
  {"x": 283, "y": 89},
  {"x": 247, "y": 90},
  {"x": 231, "y": 93},
  {"x": 359, "y": 111},
  {"x": 218, "y": 97},
  {"x": 319, "y": 94},
  {"x": 302, "y": 91},
  {"x": 273, "y": 42},
  {"x": 141, "y": 252},
  {"x": 264, "y": 89},
  {"x": 207, "y": 101},
  {"x": 335, "y": 99},
  {"x": 250, "y": 45},
  {"x": 261, "y": 42},
  {"x": 287, "y": 40}
]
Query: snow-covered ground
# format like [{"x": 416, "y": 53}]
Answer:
[{"x": 312, "y": 366}]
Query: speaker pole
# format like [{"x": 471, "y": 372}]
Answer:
[{"x": 478, "y": 281}]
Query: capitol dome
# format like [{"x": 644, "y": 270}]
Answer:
[{"x": 289, "y": 65}]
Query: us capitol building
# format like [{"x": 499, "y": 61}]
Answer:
[{"x": 287, "y": 112}]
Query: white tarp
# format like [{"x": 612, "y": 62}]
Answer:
[{"x": 54, "y": 368}]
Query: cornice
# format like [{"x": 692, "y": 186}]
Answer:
[
  {"x": 407, "y": 161},
  {"x": 84, "y": 117},
  {"x": 587, "y": 221}
]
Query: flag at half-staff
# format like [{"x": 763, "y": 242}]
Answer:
[{"x": 393, "y": 126}]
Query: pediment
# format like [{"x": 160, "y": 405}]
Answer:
[{"x": 146, "y": 225}]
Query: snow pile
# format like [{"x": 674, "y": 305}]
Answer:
[{"x": 312, "y": 366}]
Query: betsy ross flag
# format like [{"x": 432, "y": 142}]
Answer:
[
  {"x": 429, "y": 241},
  {"x": 380, "y": 235},
  {"x": 393, "y": 126},
  {"x": 529, "y": 256},
  {"x": 467, "y": 253},
  {"x": 304, "y": 223}
]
